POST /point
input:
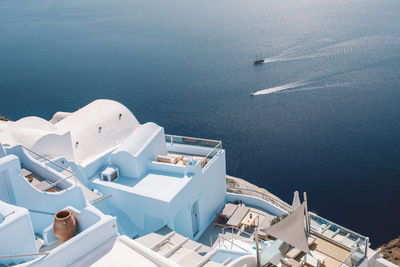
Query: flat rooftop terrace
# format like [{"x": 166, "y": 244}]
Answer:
[{"x": 154, "y": 184}]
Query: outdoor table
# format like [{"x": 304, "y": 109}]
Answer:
[{"x": 249, "y": 220}]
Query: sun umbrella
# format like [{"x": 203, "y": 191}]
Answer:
[{"x": 296, "y": 201}]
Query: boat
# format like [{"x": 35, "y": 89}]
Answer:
[
  {"x": 258, "y": 61},
  {"x": 143, "y": 197}
]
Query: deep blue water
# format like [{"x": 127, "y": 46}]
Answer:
[{"x": 334, "y": 131}]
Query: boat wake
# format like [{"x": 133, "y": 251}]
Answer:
[
  {"x": 341, "y": 58},
  {"x": 276, "y": 89},
  {"x": 296, "y": 87},
  {"x": 327, "y": 48}
]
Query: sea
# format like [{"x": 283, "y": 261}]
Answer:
[{"x": 321, "y": 115}]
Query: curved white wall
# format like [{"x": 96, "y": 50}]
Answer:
[
  {"x": 54, "y": 144},
  {"x": 261, "y": 203},
  {"x": 88, "y": 140},
  {"x": 142, "y": 146}
]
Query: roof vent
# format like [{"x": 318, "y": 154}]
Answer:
[{"x": 110, "y": 174}]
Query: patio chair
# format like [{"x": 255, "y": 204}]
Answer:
[
  {"x": 309, "y": 260},
  {"x": 310, "y": 240},
  {"x": 225, "y": 214},
  {"x": 237, "y": 217},
  {"x": 290, "y": 263},
  {"x": 265, "y": 223},
  {"x": 320, "y": 257},
  {"x": 293, "y": 253}
]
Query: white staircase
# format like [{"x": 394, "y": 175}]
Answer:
[{"x": 179, "y": 249}]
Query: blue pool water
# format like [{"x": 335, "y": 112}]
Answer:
[{"x": 325, "y": 118}]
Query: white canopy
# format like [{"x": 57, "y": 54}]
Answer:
[{"x": 291, "y": 230}]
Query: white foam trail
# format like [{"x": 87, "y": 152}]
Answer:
[
  {"x": 315, "y": 87},
  {"x": 296, "y": 87},
  {"x": 343, "y": 48},
  {"x": 283, "y": 59},
  {"x": 279, "y": 88},
  {"x": 274, "y": 59}
]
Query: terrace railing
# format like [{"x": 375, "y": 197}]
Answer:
[
  {"x": 48, "y": 162},
  {"x": 354, "y": 259},
  {"x": 251, "y": 192},
  {"x": 24, "y": 255},
  {"x": 359, "y": 242},
  {"x": 222, "y": 240},
  {"x": 214, "y": 145}
]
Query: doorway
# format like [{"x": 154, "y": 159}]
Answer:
[{"x": 195, "y": 218}]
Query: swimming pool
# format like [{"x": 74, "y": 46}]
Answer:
[{"x": 222, "y": 255}]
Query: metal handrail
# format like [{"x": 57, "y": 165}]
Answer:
[
  {"x": 194, "y": 138},
  {"x": 9, "y": 214},
  {"x": 217, "y": 146},
  {"x": 281, "y": 204},
  {"x": 24, "y": 255},
  {"x": 227, "y": 227},
  {"x": 42, "y": 212},
  {"x": 97, "y": 201},
  {"x": 348, "y": 259},
  {"x": 62, "y": 167},
  {"x": 233, "y": 228},
  {"x": 53, "y": 184},
  {"x": 225, "y": 240}
]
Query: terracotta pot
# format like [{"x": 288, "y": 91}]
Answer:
[{"x": 64, "y": 225}]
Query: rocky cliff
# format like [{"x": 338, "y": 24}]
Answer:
[{"x": 391, "y": 251}]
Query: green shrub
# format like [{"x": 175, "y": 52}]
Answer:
[{"x": 278, "y": 219}]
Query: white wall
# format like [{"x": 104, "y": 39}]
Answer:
[
  {"x": 16, "y": 234},
  {"x": 55, "y": 144},
  {"x": 84, "y": 173},
  {"x": 208, "y": 187},
  {"x": 96, "y": 233},
  {"x": 143, "y": 145},
  {"x": 25, "y": 195},
  {"x": 148, "y": 214},
  {"x": 39, "y": 168},
  {"x": 2, "y": 151},
  {"x": 267, "y": 206}
]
